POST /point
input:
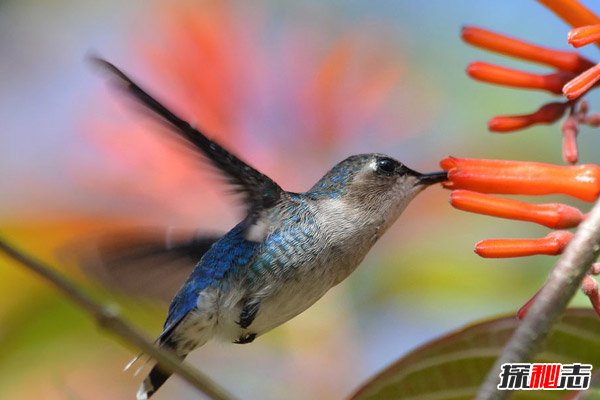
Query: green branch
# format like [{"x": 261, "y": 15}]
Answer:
[{"x": 109, "y": 320}]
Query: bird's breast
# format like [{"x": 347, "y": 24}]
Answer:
[{"x": 297, "y": 264}]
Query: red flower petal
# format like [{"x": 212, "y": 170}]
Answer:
[
  {"x": 551, "y": 215},
  {"x": 498, "y": 75},
  {"x": 584, "y": 35},
  {"x": 582, "y": 83},
  {"x": 569, "y": 132},
  {"x": 592, "y": 120},
  {"x": 525, "y": 307},
  {"x": 563, "y": 60},
  {"x": 547, "y": 114},
  {"x": 552, "y": 244},
  {"x": 522, "y": 177},
  {"x": 572, "y": 12},
  {"x": 589, "y": 286}
]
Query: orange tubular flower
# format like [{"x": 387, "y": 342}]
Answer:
[
  {"x": 551, "y": 215},
  {"x": 582, "y": 83},
  {"x": 572, "y": 12},
  {"x": 498, "y": 75},
  {"x": 589, "y": 287},
  {"x": 522, "y": 177},
  {"x": 471, "y": 179},
  {"x": 547, "y": 114},
  {"x": 583, "y": 73},
  {"x": 553, "y": 244},
  {"x": 584, "y": 35},
  {"x": 525, "y": 307},
  {"x": 569, "y": 61},
  {"x": 569, "y": 130}
]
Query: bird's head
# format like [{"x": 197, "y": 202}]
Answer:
[{"x": 374, "y": 184}]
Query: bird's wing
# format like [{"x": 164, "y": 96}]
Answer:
[
  {"x": 231, "y": 254},
  {"x": 152, "y": 263},
  {"x": 260, "y": 192}
]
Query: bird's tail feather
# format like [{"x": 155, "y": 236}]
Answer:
[
  {"x": 133, "y": 361},
  {"x": 153, "y": 381}
]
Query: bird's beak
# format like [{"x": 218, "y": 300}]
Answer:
[{"x": 433, "y": 177}]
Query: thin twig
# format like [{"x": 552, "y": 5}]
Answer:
[
  {"x": 110, "y": 321},
  {"x": 563, "y": 282}
]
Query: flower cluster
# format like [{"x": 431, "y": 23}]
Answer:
[{"x": 473, "y": 180}]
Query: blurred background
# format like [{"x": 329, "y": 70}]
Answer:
[{"x": 292, "y": 87}]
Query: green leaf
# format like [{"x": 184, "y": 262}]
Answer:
[{"x": 453, "y": 366}]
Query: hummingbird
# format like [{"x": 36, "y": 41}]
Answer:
[{"x": 288, "y": 250}]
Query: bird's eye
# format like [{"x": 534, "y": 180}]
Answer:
[{"x": 386, "y": 166}]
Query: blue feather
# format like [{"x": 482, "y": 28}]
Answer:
[
  {"x": 230, "y": 253},
  {"x": 335, "y": 182}
]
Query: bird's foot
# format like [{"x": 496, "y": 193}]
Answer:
[
  {"x": 247, "y": 338},
  {"x": 248, "y": 314}
]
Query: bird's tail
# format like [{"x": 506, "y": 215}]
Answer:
[{"x": 153, "y": 381}]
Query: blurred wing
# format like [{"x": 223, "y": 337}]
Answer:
[
  {"x": 260, "y": 192},
  {"x": 148, "y": 263}
]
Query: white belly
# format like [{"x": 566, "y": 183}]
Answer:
[{"x": 287, "y": 299}]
